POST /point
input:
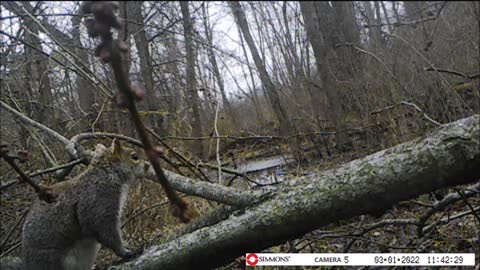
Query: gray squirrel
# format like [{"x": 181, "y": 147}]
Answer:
[{"x": 67, "y": 234}]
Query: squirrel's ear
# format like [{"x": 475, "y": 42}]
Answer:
[{"x": 116, "y": 148}]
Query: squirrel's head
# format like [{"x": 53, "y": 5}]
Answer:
[{"x": 118, "y": 154}]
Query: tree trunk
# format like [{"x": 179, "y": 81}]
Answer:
[
  {"x": 191, "y": 81},
  {"x": 348, "y": 31},
  {"x": 86, "y": 95},
  {"x": 374, "y": 33},
  {"x": 146, "y": 69},
  {"x": 319, "y": 28}
]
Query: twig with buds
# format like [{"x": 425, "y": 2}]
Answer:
[{"x": 111, "y": 50}]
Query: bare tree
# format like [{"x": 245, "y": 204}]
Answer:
[
  {"x": 146, "y": 69},
  {"x": 215, "y": 68},
  {"x": 191, "y": 80},
  {"x": 272, "y": 93},
  {"x": 38, "y": 63}
]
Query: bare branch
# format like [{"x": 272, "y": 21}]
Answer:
[
  {"x": 35, "y": 124},
  {"x": 43, "y": 193},
  {"x": 453, "y": 72},
  {"x": 406, "y": 103},
  {"x": 446, "y": 201}
]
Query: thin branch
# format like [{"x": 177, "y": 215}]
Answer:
[
  {"x": 112, "y": 51},
  {"x": 421, "y": 111},
  {"x": 229, "y": 171},
  {"x": 473, "y": 211},
  {"x": 397, "y": 24},
  {"x": 43, "y": 193},
  {"x": 464, "y": 198},
  {"x": 15, "y": 246},
  {"x": 446, "y": 201},
  {"x": 453, "y": 72},
  {"x": 217, "y": 143},
  {"x": 33, "y": 123},
  {"x": 243, "y": 138},
  {"x": 95, "y": 135},
  {"x": 406, "y": 103},
  {"x": 57, "y": 168},
  {"x": 197, "y": 172}
]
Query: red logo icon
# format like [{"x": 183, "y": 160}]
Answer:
[{"x": 252, "y": 259}]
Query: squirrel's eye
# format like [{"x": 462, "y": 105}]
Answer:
[{"x": 134, "y": 156}]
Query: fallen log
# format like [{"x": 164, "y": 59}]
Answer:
[{"x": 448, "y": 156}]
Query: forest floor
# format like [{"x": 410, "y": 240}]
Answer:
[{"x": 147, "y": 221}]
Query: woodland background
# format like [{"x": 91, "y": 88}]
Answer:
[{"x": 225, "y": 82}]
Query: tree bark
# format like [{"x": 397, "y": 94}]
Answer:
[
  {"x": 191, "y": 85},
  {"x": 86, "y": 95},
  {"x": 318, "y": 18},
  {"x": 348, "y": 30},
  {"x": 447, "y": 157}
]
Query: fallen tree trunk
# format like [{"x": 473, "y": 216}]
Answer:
[{"x": 448, "y": 156}]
